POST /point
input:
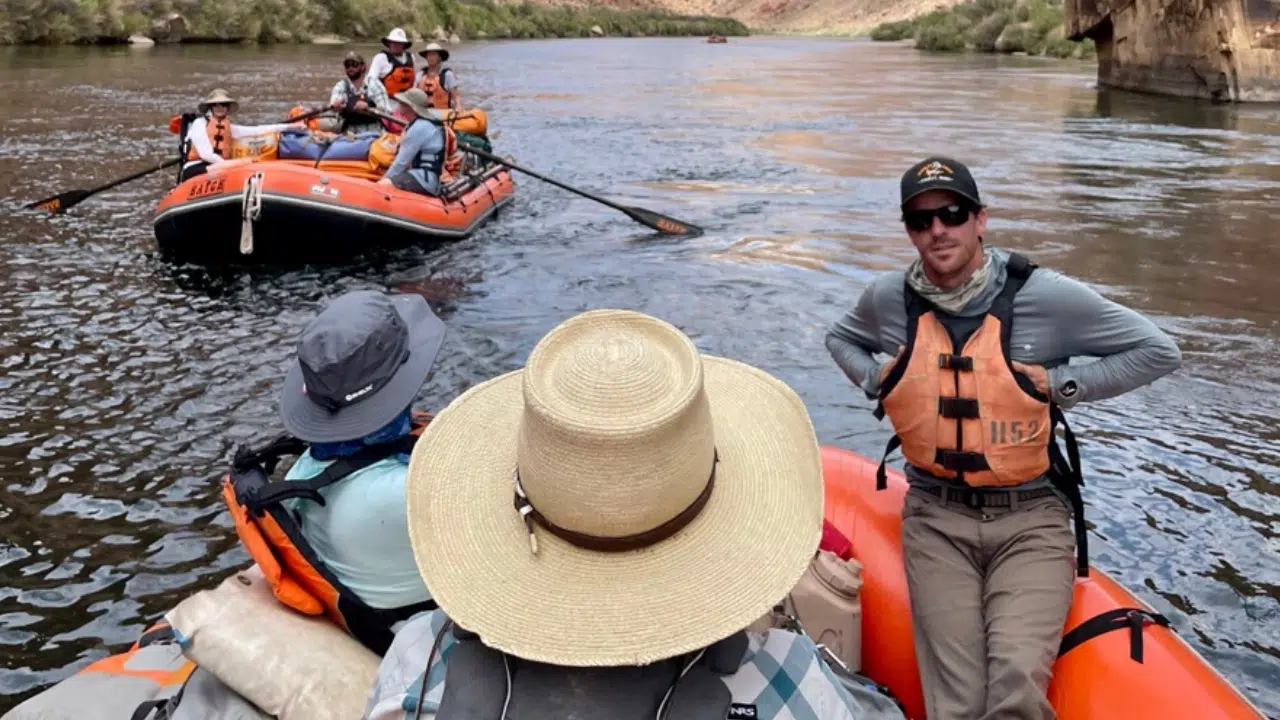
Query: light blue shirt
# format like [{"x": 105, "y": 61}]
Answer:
[
  {"x": 422, "y": 139},
  {"x": 361, "y": 532}
]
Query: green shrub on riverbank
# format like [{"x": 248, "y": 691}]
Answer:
[
  {"x": 88, "y": 21},
  {"x": 1035, "y": 27}
]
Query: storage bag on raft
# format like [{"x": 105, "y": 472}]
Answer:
[
  {"x": 291, "y": 666},
  {"x": 479, "y": 142},
  {"x": 304, "y": 145}
]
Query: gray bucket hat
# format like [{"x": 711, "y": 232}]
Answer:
[
  {"x": 359, "y": 365},
  {"x": 417, "y": 100}
]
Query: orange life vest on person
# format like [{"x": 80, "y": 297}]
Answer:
[
  {"x": 401, "y": 76},
  {"x": 960, "y": 411},
  {"x": 298, "y": 576},
  {"x": 219, "y": 131},
  {"x": 433, "y": 86},
  {"x": 452, "y": 158}
]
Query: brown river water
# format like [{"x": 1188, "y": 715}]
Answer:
[{"x": 125, "y": 381}]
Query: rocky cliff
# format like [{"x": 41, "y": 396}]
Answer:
[
  {"x": 1223, "y": 50},
  {"x": 810, "y": 17}
]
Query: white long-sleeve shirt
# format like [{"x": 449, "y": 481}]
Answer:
[
  {"x": 380, "y": 67},
  {"x": 198, "y": 136}
]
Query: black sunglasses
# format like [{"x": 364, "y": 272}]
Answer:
[
  {"x": 352, "y": 63},
  {"x": 950, "y": 215}
]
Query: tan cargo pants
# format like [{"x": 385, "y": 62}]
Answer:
[{"x": 990, "y": 590}]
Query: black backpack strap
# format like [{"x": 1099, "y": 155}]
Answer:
[
  {"x": 1065, "y": 474},
  {"x": 1134, "y": 619},
  {"x": 882, "y": 481},
  {"x": 1018, "y": 270},
  {"x": 267, "y": 456},
  {"x": 257, "y": 499}
]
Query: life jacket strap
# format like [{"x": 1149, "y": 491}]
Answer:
[{"x": 258, "y": 497}]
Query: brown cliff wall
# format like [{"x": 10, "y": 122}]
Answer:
[{"x": 1224, "y": 50}]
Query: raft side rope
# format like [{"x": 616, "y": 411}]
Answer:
[{"x": 250, "y": 210}]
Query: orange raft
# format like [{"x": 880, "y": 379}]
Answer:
[
  {"x": 1096, "y": 679},
  {"x": 255, "y": 209}
]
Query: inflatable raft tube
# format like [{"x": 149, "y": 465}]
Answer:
[
  {"x": 1095, "y": 680},
  {"x": 247, "y": 211}
]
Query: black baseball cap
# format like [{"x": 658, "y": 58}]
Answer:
[
  {"x": 360, "y": 363},
  {"x": 939, "y": 173}
]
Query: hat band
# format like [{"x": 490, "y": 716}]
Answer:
[{"x": 624, "y": 543}]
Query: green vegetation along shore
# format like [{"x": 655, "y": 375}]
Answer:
[
  {"x": 108, "y": 21},
  {"x": 1035, "y": 27}
]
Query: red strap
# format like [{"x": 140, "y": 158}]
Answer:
[{"x": 834, "y": 541}]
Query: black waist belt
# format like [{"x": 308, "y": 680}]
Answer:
[{"x": 979, "y": 498}]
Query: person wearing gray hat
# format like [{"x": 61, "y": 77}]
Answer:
[
  {"x": 977, "y": 342},
  {"x": 335, "y": 528},
  {"x": 352, "y": 95},
  {"x": 420, "y": 158}
]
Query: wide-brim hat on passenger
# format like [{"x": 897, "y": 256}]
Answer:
[
  {"x": 417, "y": 100},
  {"x": 359, "y": 364},
  {"x": 672, "y": 498},
  {"x": 217, "y": 97},
  {"x": 436, "y": 48},
  {"x": 397, "y": 35}
]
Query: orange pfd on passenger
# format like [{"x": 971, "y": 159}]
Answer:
[
  {"x": 433, "y": 86},
  {"x": 401, "y": 76},
  {"x": 961, "y": 412},
  {"x": 298, "y": 576},
  {"x": 219, "y": 131}
]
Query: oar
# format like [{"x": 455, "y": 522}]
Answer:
[
  {"x": 69, "y": 199},
  {"x": 65, "y": 201},
  {"x": 662, "y": 223}
]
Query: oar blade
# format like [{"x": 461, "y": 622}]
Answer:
[
  {"x": 58, "y": 203},
  {"x": 662, "y": 223}
]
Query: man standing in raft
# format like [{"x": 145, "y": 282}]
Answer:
[
  {"x": 394, "y": 66},
  {"x": 980, "y": 339}
]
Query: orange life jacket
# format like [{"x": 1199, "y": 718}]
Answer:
[
  {"x": 401, "y": 76},
  {"x": 452, "y": 158},
  {"x": 219, "y": 131},
  {"x": 433, "y": 86},
  {"x": 298, "y": 576},
  {"x": 960, "y": 411}
]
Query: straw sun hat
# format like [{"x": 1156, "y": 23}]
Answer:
[{"x": 703, "y": 474}]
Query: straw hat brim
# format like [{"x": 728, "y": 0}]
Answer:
[
  {"x": 232, "y": 105},
  {"x": 744, "y": 552}
]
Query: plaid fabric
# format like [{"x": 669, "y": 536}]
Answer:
[
  {"x": 395, "y": 691},
  {"x": 783, "y": 677},
  {"x": 374, "y": 91}
]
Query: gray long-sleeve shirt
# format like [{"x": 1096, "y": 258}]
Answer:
[{"x": 1055, "y": 318}]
